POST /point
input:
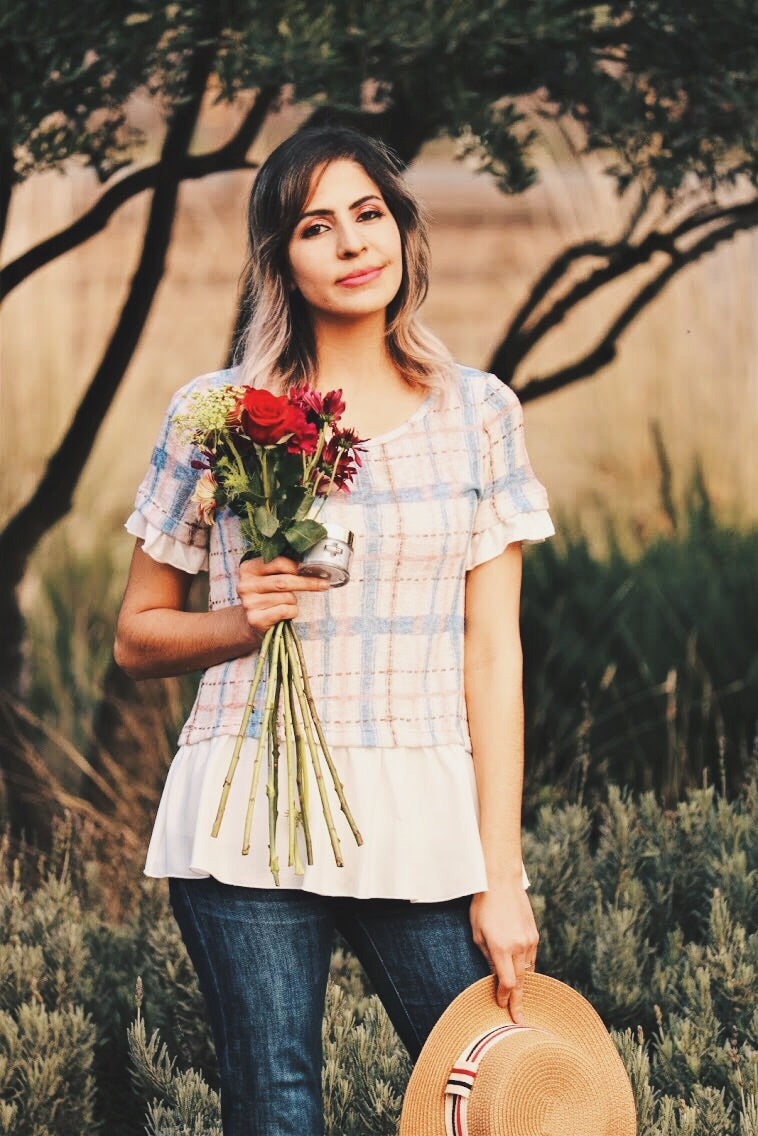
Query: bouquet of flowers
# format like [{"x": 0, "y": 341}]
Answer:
[{"x": 269, "y": 459}]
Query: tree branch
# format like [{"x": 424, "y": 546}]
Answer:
[
  {"x": 230, "y": 156},
  {"x": 6, "y": 183},
  {"x": 52, "y": 497},
  {"x": 606, "y": 349},
  {"x": 620, "y": 257},
  {"x": 508, "y": 355}
]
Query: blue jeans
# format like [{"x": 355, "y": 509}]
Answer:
[{"x": 262, "y": 958}]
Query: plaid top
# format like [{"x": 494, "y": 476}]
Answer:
[{"x": 446, "y": 490}]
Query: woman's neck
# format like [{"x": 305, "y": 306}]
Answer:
[{"x": 354, "y": 355}]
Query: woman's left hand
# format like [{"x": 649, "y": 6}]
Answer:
[{"x": 504, "y": 929}]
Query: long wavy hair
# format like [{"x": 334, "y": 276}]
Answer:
[{"x": 277, "y": 347}]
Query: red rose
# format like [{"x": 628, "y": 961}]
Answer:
[{"x": 265, "y": 418}]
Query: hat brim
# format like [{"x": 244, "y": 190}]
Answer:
[{"x": 548, "y": 1005}]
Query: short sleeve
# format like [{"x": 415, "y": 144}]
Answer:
[
  {"x": 165, "y": 516},
  {"x": 512, "y": 503}
]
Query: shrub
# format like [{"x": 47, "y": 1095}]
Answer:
[
  {"x": 641, "y": 670},
  {"x": 648, "y": 911}
]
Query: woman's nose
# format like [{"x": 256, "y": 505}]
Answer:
[{"x": 350, "y": 240}]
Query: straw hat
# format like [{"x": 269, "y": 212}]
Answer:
[{"x": 558, "y": 1075}]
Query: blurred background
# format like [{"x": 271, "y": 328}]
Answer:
[
  {"x": 687, "y": 364},
  {"x": 589, "y": 174}
]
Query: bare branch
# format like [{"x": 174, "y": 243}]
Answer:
[
  {"x": 509, "y": 354},
  {"x": 605, "y": 350},
  {"x": 619, "y": 257},
  {"x": 230, "y": 156},
  {"x": 52, "y": 497},
  {"x": 6, "y": 182}
]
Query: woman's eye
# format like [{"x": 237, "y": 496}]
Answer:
[
  {"x": 369, "y": 214},
  {"x": 314, "y": 229}
]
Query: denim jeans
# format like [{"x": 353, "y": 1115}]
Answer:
[{"x": 262, "y": 958}]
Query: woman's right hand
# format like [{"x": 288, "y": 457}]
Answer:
[
  {"x": 269, "y": 591},
  {"x": 156, "y": 636}
]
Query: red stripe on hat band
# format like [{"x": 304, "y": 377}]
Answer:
[
  {"x": 492, "y": 1038},
  {"x": 463, "y": 1075}
]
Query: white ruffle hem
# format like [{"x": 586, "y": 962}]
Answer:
[{"x": 416, "y": 810}]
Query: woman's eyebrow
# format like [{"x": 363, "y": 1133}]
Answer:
[{"x": 330, "y": 212}]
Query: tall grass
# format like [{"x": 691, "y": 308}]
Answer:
[{"x": 642, "y": 671}]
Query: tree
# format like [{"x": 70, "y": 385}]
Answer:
[{"x": 661, "y": 88}]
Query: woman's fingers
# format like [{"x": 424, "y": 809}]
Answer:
[
  {"x": 503, "y": 928},
  {"x": 268, "y": 591},
  {"x": 515, "y": 1002},
  {"x": 279, "y": 575},
  {"x": 507, "y": 979}
]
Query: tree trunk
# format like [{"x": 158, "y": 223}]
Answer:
[{"x": 27, "y": 807}]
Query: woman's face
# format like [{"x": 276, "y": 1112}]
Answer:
[{"x": 345, "y": 254}]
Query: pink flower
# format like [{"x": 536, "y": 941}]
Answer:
[
  {"x": 310, "y": 402},
  {"x": 205, "y": 498},
  {"x": 339, "y": 462},
  {"x": 319, "y": 409},
  {"x": 334, "y": 407}
]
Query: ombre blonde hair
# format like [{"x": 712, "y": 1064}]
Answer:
[{"x": 277, "y": 347}]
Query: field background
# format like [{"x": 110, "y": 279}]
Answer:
[
  {"x": 689, "y": 362},
  {"x": 643, "y": 672}
]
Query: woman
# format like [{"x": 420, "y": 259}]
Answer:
[{"x": 415, "y": 664}]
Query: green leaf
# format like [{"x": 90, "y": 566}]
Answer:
[
  {"x": 272, "y": 546},
  {"x": 304, "y": 534},
  {"x": 266, "y": 523},
  {"x": 304, "y": 507},
  {"x": 252, "y": 498}
]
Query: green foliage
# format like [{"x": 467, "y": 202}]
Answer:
[
  {"x": 47, "y": 1039},
  {"x": 641, "y": 671},
  {"x": 68, "y": 71},
  {"x": 71, "y": 625},
  {"x": 667, "y": 89},
  {"x": 649, "y": 912}
]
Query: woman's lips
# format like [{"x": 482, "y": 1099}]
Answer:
[{"x": 355, "y": 279}]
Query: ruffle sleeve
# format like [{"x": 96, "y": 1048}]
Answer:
[
  {"x": 165, "y": 516},
  {"x": 512, "y": 503},
  {"x": 167, "y": 549}
]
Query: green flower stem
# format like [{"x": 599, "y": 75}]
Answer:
[
  {"x": 302, "y": 778},
  {"x": 235, "y": 453},
  {"x": 262, "y": 655},
  {"x": 283, "y": 665},
  {"x": 296, "y": 665},
  {"x": 317, "y": 454},
  {"x": 330, "y": 486},
  {"x": 265, "y": 727},
  {"x": 272, "y": 791},
  {"x": 294, "y": 638}
]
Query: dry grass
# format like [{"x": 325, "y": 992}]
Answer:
[{"x": 688, "y": 363}]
